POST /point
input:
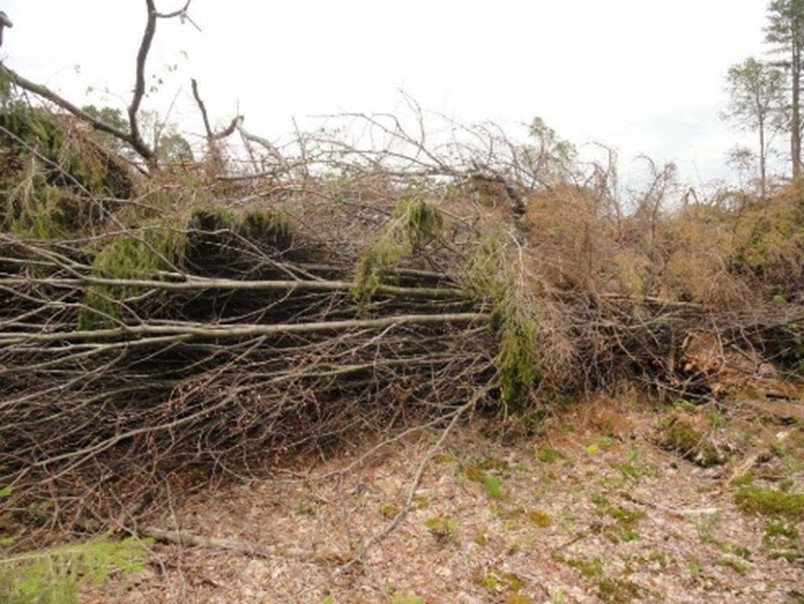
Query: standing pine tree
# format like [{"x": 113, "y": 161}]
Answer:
[{"x": 785, "y": 30}]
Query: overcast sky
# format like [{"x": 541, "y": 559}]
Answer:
[{"x": 642, "y": 76}]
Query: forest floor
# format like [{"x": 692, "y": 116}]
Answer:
[{"x": 608, "y": 501}]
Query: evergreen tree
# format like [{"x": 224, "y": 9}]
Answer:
[{"x": 785, "y": 30}]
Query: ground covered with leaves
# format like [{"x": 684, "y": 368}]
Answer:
[{"x": 601, "y": 502}]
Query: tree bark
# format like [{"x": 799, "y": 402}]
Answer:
[
  {"x": 763, "y": 179},
  {"x": 795, "y": 118}
]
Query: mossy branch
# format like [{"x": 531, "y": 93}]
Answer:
[{"x": 414, "y": 224}]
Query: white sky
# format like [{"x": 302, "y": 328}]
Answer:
[{"x": 642, "y": 76}]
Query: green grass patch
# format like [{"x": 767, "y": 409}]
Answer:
[
  {"x": 769, "y": 502},
  {"x": 548, "y": 454}
]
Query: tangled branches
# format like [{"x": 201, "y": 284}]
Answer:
[{"x": 117, "y": 374}]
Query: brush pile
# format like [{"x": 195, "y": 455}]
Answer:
[
  {"x": 144, "y": 337},
  {"x": 203, "y": 321}
]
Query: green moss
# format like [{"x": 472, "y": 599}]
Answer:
[
  {"x": 782, "y": 540},
  {"x": 681, "y": 436},
  {"x": 738, "y": 566},
  {"x": 497, "y": 580},
  {"x": 481, "y": 539},
  {"x": 145, "y": 254},
  {"x": 56, "y": 183},
  {"x": 407, "y": 598},
  {"x": 495, "y": 282},
  {"x": 259, "y": 225},
  {"x": 307, "y": 507},
  {"x": 540, "y": 519},
  {"x": 618, "y": 590},
  {"x": 414, "y": 224},
  {"x": 588, "y": 567},
  {"x": 768, "y": 502},
  {"x": 494, "y": 464},
  {"x": 617, "y": 512},
  {"x": 625, "y": 520},
  {"x": 547, "y": 454},
  {"x": 388, "y": 510},
  {"x": 443, "y": 529}
]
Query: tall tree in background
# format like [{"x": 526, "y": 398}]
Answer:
[
  {"x": 756, "y": 103},
  {"x": 785, "y": 30}
]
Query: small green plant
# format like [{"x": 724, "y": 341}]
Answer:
[
  {"x": 715, "y": 417},
  {"x": 54, "y": 575},
  {"x": 493, "y": 486},
  {"x": 443, "y": 529},
  {"x": 481, "y": 472},
  {"x": 629, "y": 470}
]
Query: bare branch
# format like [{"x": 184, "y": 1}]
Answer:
[
  {"x": 51, "y": 96},
  {"x": 137, "y": 141},
  {"x": 202, "y": 108}
]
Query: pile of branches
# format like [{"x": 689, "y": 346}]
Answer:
[
  {"x": 154, "y": 324},
  {"x": 157, "y": 319},
  {"x": 684, "y": 350},
  {"x": 139, "y": 354}
]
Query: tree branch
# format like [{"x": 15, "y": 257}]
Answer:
[
  {"x": 137, "y": 141},
  {"x": 202, "y": 108},
  {"x": 239, "y": 331},
  {"x": 51, "y": 96}
]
